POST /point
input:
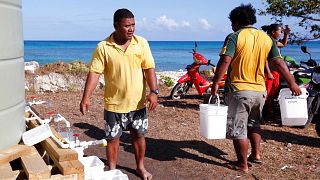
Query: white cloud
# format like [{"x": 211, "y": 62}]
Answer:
[
  {"x": 143, "y": 24},
  {"x": 205, "y": 24},
  {"x": 163, "y": 22},
  {"x": 185, "y": 24},
  {"x": 166, "y": 22}
]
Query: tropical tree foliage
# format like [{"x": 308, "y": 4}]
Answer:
[{"x": 305, "y": 12}]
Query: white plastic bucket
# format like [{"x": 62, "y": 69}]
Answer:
[
  {"x": 80, "y": 151},
  {"x": 92, "y": 166},
  {"x": 114, "y": 174},
  {"x": 294, "y": 111},
  {"x": 213, "y": 120},
  {"x": 36, "y": 135}
]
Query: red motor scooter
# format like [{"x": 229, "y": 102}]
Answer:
[{"x": 193, "y": 77}]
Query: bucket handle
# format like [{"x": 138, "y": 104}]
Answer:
[
  {"x": 279, "y": 96},
  {"x": 217, "y": 102}
]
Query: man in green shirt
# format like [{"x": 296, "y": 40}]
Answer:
[{"x": 244, "y": 57}]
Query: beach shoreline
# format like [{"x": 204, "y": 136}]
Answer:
[{"x": 61, "y": 76}]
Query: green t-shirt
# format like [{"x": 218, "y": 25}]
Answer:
[{"x": 249, "y": 49}]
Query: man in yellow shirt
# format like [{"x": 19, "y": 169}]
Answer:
[
  {"x": 126, "y": 61},
  {"x": 244, "y": 55}
]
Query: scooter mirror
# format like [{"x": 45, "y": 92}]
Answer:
[
  {"x": 304, "y": 49},
  {"x": 195, "y": 46}
]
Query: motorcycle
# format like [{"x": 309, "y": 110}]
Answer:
[
  {"x": 193, "y": 77},
  {"x": 313, "y": 100},
  {"x": 302, "y": 72}
]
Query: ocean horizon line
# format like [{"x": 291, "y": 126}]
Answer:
[
  {"x": 42, "y": 40},
  {"x": 168, "y": 55},
  {"x": 102, "y": 39}
]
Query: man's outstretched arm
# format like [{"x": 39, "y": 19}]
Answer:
[
  {"x": 91, "y": 84},
  {"x": 151, "y": 79},
  {"x": 221, "y": 69},
  {"x": 282, "y": 68}
]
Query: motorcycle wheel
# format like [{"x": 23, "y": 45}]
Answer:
[
  {"x": 318, "y": 127},
  {"x": 312, "y": 103},
  {"x": 179, "y": 90}
]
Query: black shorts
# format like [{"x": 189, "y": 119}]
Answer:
[{"x": 118, "y": 122}]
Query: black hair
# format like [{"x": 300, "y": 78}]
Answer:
[
  {"x": 122, "y": 13},
  {"x": 244, "y": 15},
  {"x": 270, "y": 28}
]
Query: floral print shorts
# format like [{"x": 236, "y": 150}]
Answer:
[{"x": 118, "y": 122}]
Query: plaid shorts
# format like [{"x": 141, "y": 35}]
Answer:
[{"x": 118, "y": 122}]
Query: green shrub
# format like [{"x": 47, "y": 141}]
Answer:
[
  {"x": 207, "y": 73},
  {"x": 167, "y": 80},
  {"x": 72, "y": 88},
  {"x": 77, "y": 67}
]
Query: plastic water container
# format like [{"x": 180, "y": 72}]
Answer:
[
  {"x": 80, "y": 151},
  {"x": 12, "y": 91},
  {"x": 36, "y": 135},
  {"x": 92, "y": 166},
  {"x": 114, "y": 174},
  {"x": 213, "y": 120},
  {"x": 294, "y": 110}
]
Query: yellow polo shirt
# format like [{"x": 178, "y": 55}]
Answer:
[
  {"x": 249, "y": 48},
  {"x": 125, "y": 85}
]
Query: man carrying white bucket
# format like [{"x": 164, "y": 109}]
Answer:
[{"x": 244, "y": 56}]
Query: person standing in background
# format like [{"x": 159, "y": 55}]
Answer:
[
  {"x": 244, "y": 56},
  {"x": 127, "y": 64},
  {"x": 275, "y": 30},
  {"x": 272, "y": 76}
]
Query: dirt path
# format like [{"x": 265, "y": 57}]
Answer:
[{"x": 175, "y": 150}]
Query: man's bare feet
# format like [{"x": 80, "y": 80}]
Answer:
[
  {"x": 237, "y": 167},
  {"x": 255, "y": 159},
  {"x": 144, "y": 174}
]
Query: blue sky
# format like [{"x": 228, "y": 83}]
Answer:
[{"x": 155, "y": 19}]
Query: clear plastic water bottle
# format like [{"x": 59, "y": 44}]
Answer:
[
  {"x": 70, "y": 137},
  {"x": 77, "y": 141}
]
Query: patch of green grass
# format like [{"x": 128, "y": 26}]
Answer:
[
  {"x": 167, "y": 80},
  {"x": 31, "y": 90},
  {"x": 72, "y": 88},
  {"x": 207, "y": 72},
  {"x": 77, "y": 67}
]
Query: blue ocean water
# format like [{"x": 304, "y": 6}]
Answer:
[{"x": 168, "y": 55}]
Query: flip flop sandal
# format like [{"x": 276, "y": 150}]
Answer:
[
  {"x": 234, "y": 167},
  {"x": 253, "y": 160}
]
